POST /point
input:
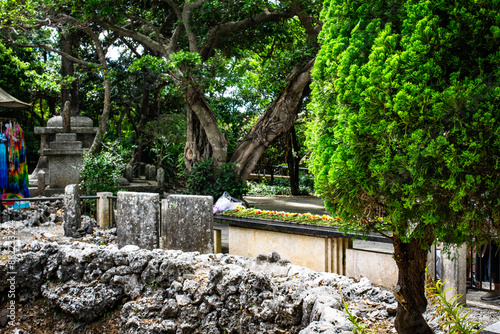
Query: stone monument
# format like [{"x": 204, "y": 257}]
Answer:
[{"x": 61, "y": 152}]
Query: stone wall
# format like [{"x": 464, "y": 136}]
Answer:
[{"x": 166, "y": 291}]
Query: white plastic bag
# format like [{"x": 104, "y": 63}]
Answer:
[{"x": 227, "y": 202}]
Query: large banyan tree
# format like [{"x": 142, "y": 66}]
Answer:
[{"x": 180, "y": 38}]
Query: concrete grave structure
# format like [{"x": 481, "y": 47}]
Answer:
[
  {"x": 187, "y": 223},
  {"x": 137, "y": 219},
  {"x": 61, "y": 152},
  {"x": 313, "y": 252}
]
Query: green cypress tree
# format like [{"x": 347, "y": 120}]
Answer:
[{"x": 406, "y": 103}]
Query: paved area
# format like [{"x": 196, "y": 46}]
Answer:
[{"x": 298, "y": 204}]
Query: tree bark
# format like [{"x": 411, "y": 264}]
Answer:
[
  {"x": 411, "y": 259},
  {"x": 293, "y": 161},
  {"x": 277, "y": 119},
  {"x": 197, "y": 146},
  {"x": 202, "y": 129},
  {"x": 69, "y": 41}
]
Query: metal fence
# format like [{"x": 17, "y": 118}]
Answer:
[
  {"x": 483, "y": 264},
  {"x": 88, "y": 205}
]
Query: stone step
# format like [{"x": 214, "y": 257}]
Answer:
[
  {"x": 63, "y": 137},
  {"x": 67, "y": 145}
]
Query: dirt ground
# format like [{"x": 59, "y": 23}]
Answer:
[{"x": 36, "y": 317}]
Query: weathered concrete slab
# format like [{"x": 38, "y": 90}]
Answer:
[
  {"x": 323, "y": 254},
  {"x": 492, "y": 329},
  {"x": 137, "y": 219},
  {"x": 454, "y": 272},
  {"x": 187, "y": 223},
  {"x": 72, "y": 213}
]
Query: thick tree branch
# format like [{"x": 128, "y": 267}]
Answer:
[
  {"x": 143, "y": 39},
  {"x": 186, "y": 19},
  {"x": 307, "y": 22},
  {"x": 228, "y": 28},
  {"x": 59, "y": 52}
]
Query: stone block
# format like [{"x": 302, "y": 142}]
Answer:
[
  {"x": 64, "y": 169},
  {"x": 129, "y": 173},
  {"x": 160, "y": 178},
  {"x": 367, "y": 263},
  {"x": 323, "y": 254},
  {"x": 64, "y": 137},
  {"x": 454, "y": 272},
  {"x": 41, "y": 182},
  {"x": 72, "y": 213},
  {"x": 104, "y": 210},
  {"x": 137, "y": 219},
  {"x": 187, "y": 223},
  {"x": 66, "y": 145},
  {"x": 492, "y": 329},
  {"x": 152, "y": 173}
]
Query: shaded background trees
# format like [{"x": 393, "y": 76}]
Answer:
[{"x": 220, "y": 62}]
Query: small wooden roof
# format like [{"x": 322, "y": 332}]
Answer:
[{"x": 8, "y": 101}]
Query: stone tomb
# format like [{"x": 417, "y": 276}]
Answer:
[
  {"x": 187, "y": 223},
  {"x": 61, "y": 153},
  {"x": 137, "y": 219}
]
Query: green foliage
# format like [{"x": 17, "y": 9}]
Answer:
[
  {"x": 102, "y": 172},
  {"x": 406, "y": 103},
  {"x": 359, "y": 326},
  {"x": 207, "y": 179},
  {"x": 451, "y": 314},
  {"x": 281, "y": 186},
  {"x": 264, "y": 189},
  {"x": 166, "y": 138}
]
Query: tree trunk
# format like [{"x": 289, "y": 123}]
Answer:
[
  {"x": 69, "y": 40},
  {"x": 293, "y": 161},
  {"x": 411, "y": 259},
  {"x": 204, "y": 138},
  {"x": 197, "y": 146},
  {"x": 277, "y": 119},
  {"x": 103, "y": 120}
]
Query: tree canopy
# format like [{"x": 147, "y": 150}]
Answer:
[
  {"x": 186, "y": 47},
  {"x": 406, "y": 123}
]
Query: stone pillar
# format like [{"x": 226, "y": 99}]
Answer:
[
  {"x": 217, "y": 241},
  {"x": 454, "y": 272},
  {"x": 66, "y": 118},
  {"x": 41, "y": 183},
  {"x": 187, "y": 223},
  {"x": 146, "y": 171},
  {"x": 72, "y": 214},
  {"x": 160, "y": 178},
  {"x": 152, "y": 173},
  {"x": 137, "y": 219},
  {"x": 104, "y": 210},
  {"x": 129, "y": 173}
]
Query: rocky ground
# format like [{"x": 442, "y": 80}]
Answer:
[{"x": 209, "y": 294}]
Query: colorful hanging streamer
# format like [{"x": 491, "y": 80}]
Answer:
[
  {"x": 9, "y": 196},
  {"x": 3, "y": 164},
  {"x": 18, "y": 168}
]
